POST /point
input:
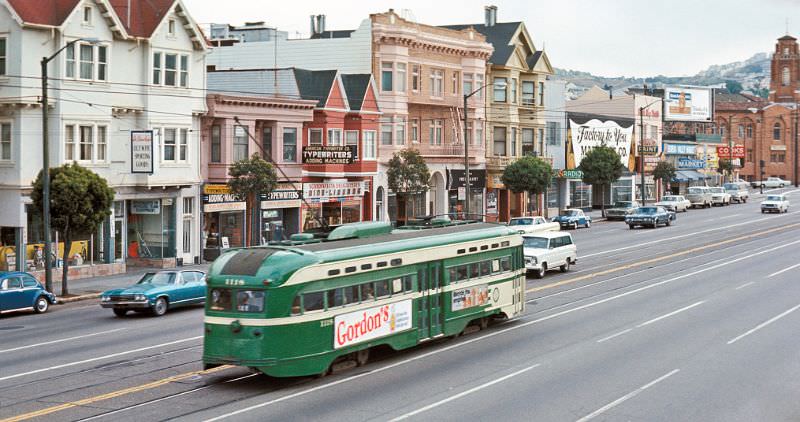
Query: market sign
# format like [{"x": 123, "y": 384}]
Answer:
[
  {"x": 369, "y": 324},
  {"x": 327, "y": 191},
  {"x": 595, "y": 133},
  {"x": 725, "y": 152},
  {"x": 218, "y": 197},
  {"x": 456, "y": 179},
  {"x": 570, "y": 174},
  {"x": 142, "y": 151},
  {"x": 284, "y": 196},
  {"x": 329, "y": 154},
  {"x": 690, "y": 163}
]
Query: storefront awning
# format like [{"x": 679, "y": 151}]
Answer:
[{"x": 688, "y": 175}]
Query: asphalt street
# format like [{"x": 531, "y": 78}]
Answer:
[{"x": 697, "y": 321}]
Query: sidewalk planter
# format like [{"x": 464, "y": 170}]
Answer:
[{"x": 84, "y": 271}]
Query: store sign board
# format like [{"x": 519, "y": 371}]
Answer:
[
  {"x": 369, "y": 324},
  {"x": 330, "y": 190},
  {"x": 777, "y": 148},
  {"x": 142, "y": 151},
  {"x": 680, "y": 149},
  {"x": 725, "y": 152},
  {"x": 329, "y": 154},
  {"x": 491, "y": 202},
  {"x": 648, "y": 149},
  {"x": 688, "y": 104},
  {"x": 691, "y": 163},
  {"x": 218, "y": 197},
  {"x": 595, "y": 133},
  {"x": 456, "y": 179},
  {"x": 570, "y": 174},
  {"x": 146, "y": 206},
  {"x": 284, "y": 196}
]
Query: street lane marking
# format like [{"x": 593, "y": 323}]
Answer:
[
  {"x": 670, "y": 314},
  {"x": 783, "y": 270},
  {"x": 462, "y": 394},
  {"x": 112, "y": 395},
  {"x": 745, "y": 285},
  {"x": 60, "y": 340},
  {"x": 727, "y": 216},
  {"x": 65, "y": 365},
  {"x": 615, "y": 335},
  {"x": 626, "y": 397},
  {"x": 147, "y": 403},
  {"x": 657, "y": 259},
  {"x": 764, "y": 324},
  {"x": 483, "y": 337},
  {"x": 685, "y": 235}
]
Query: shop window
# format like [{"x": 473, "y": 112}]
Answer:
[
  {"x": 580, "y": 194},
  {"x": 151, "y": 228}
]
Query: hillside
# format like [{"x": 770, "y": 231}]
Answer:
[{"x": 752, "y": 74}]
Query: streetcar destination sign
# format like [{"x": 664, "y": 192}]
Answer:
[{"x": 367, "y": 324}]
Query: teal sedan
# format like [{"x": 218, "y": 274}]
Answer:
[{"x": 157, "y": 292}]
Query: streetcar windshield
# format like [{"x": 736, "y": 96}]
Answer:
[
  {"x": 534, "y": 242},
  {"x": 245, "y": 300}
]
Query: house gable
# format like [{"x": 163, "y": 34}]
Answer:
[
  {"x": 336, "y": 97},
  {"x": 370, "y": 103}
]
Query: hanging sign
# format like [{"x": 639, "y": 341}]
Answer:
[{"x": 142, "y": 151}]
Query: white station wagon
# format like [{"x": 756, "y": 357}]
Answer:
[{"x": 547, "y": 251}]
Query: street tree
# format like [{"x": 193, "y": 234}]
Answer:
[
  {"x": 251, "y": 177},
  {"x": 408, "y": 176},
  {"x": 665, "y": 172},
  {"x": 80, "y": 200},
  {"x": 726, "y": 167},
  {"x": 528, "y": 174},
  {"x": 601, "y": 167}
]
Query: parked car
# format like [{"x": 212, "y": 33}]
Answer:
[
  {"x": 572, "y": 217},
  {"x": 650, "y": 216},
  {"x": 156, "y": 292},
  {"x": 771, "y": 182},
  {"x": 699, "y": 196},
  {"x": 738, "y": 191},
  {"x": 676, "y": 203},
  {"x": 621, "y": 209},
  {"x": 547, "y": 251},
  {"x": 20, "y": 291},
  {"x": 775, "y": 203},
  {"x": 532, "y": 224},
  {"x": 719, "y": 196}
]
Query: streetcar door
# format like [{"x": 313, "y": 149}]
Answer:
[
  {"x": 436, "y": 312},
  {"x": 423, "y": 312},
  {"x": 429, "y": 312}
]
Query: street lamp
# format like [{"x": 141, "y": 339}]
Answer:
[
  {"x": 46, "y": 163},
  {"x": 466, "y": 150},
  {"x": 641, "y": 146}
]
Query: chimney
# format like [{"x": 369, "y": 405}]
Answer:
[
  {"x": 491, "y": 15},
  {"x": 610, "y": 92},
  {"x": 313, "y": 25},
  {"x": 321, "y": 23}
]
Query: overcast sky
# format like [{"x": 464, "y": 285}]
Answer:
[{"x": 605, "y": 37}]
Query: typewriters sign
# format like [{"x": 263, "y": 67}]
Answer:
[{"x": 329, "y": 154}]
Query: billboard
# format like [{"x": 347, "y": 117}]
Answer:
[
  {"x": 594, "y": 133},
  {"x": 688, "y": 104}
]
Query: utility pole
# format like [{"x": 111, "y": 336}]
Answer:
[
  {"x": 794, "y": 163},
  {"x": 641, "y": 152},
  {"x": 730, "y": 148},
  {"x": 466, "y": 162}
]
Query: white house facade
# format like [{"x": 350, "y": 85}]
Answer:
[{"x": 137, "y": 73}]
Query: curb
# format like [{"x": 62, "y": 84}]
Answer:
[{"x": 79, "y": 298}]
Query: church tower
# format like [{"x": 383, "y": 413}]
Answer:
[{"x": 785, "y": 74}]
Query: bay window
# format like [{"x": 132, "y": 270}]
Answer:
[
  {"x": 528, "y": 96},
  {"x": 500, "y": 90},
  {"x": 400, "y": 134},
  {"x": 369, "y": 144},
  {"x": 437, "y": 82},
  {"x": 334, "y": 137},
  {"x": 170, "y": 69},
  {"x": 436, "y": 132},
  {"x": 86, "y": 146},
  {"x": 241, "y": 147},
  {"x": 216, "y": 144},
  {"x": 401, "y": 77},
  {"x": 500, "y": 141},
  {"x": 290, "y": 145},
  {"x": 386, "y": 134},
  {"x": 528, "y": 142},
  {"x": 5, "y": 141},
  {"x": 169, "y": 144},
  {"x": 183, "y": 147},
  {"x": 386, "y": 77},
  {"x": 91, "y": 62},
  {"x": 315, "y": 136},
  {"x": 467, "y": 83},
  {"x": 351, "y": 139},
  {"x": 2, "y": 56}
]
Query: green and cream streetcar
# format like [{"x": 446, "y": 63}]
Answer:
[{"x": 296, "y": 308}]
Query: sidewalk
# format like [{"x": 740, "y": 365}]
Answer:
[{"x": 90, "y": 288}]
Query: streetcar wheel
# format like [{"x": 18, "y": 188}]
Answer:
[
  {"x": 362, "y": 356},
  {"x": 484, "y": 323},
  {"x": 120, "y": 312}
]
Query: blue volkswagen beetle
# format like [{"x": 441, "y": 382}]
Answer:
[
  {"x": 156, "y": 292},
  {"x": 19, "y": 290},
  {"x": 573, "y": 217}
]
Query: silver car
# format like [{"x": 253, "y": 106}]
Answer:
[
  {"x": 699, "y": 196},
  {"x": 738, "y": 191}
]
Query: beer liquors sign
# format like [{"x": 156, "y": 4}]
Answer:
[{"x": 596, "y": 133}]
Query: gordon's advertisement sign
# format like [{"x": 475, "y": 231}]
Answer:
[{"x": 368, "y": 324}]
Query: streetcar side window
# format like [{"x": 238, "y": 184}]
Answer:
[
  {"x": 313, "y": 301},
  {"x": 474, "y": 270},
  {"x": 461, "y": 273},
  {"x": 382, "y": 289},
  {"x": 407, "y": 284},
  {"x": 505, "y": 263},
  {"x": 486, "y": 268},
  {"x": 335, "y": 298},
  {"x": 367, "y": 292}
]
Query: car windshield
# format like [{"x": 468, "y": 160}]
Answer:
[
  {"x": 158, "y": 278},
  {"x": 520, "y": 222},
  {"x": 717, "y": 190},
  {"x": 669, "y": 199},
  {"x": 648, "y": 210},
  {"x": 534, "y": 242},
  {"x": 622, "y": 204},
  {"x": 569, "y": 213},
  {"x": 774, "y": 198},
  {"x": 730, "y": 186},
  {"x": 695, "y": 190}
]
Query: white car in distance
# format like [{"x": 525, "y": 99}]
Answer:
[
  {"x": 675, "y": 203},
  {"x": 532, "y": 225},
  {"x": 547, "y": 251},
  {"x": 719, "y": 196},
  {"x": 775, "y": 203}
]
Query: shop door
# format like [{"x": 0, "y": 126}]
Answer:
[
  {"x": 119, "y": 239},
  {"x": 429, "y": 312},
  {"x": 187, "y": 241}
]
